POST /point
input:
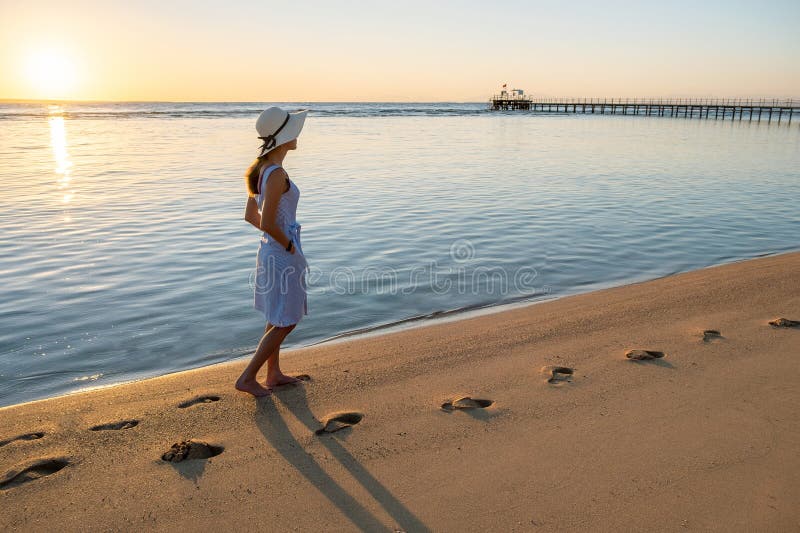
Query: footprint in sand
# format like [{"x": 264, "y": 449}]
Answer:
[
  {"x": 643, "y": 355},
  {"x": 336, "y": 421},
  {"x": 711, "y": 335},
  {"x": 122, "y": 424},
  {"x": 198, "y": 400},
  {"x": 784, "y": 323},
  {"x": 557, "y": 374},
  {"x": 26, "y": 436},
  {"x": 37, "y": 469},
  {"x": 190, "y": 450},
  {"x": 465, "y": 402}
]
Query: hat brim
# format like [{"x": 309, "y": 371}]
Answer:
[{"x": 293, "y": 128}]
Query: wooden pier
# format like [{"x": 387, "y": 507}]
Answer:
[{"x": 737, "y": 109}]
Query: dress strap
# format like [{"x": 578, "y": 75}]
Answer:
[{"x": 262, "y": 183}]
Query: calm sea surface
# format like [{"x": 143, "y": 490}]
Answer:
[{"x": 123, "y": 252}]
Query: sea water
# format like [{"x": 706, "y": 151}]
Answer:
[{"x": 124, "y": 253}]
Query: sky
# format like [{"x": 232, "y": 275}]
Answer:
[{"x": 314, "y": 50}]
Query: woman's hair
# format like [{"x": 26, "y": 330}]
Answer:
[{"x": 252, "y": 175}]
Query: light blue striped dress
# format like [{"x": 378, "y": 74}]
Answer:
[{"x": 280, "y": 281}]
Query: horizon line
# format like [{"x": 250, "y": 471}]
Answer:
[{"x": 487, "y": 99}]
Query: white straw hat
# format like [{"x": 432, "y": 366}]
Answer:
[{"x": 276, "y": 127}]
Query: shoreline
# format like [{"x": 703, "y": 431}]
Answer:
[
  {"x": 703, "y": 438},
  {"x": 435, "y": 317},
  {"x": 460, "y": 313}
]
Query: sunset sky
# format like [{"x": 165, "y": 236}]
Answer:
[{"x": 243, "y": 50}]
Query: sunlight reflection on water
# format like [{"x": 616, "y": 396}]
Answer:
[{"x": 63, "y": 168}]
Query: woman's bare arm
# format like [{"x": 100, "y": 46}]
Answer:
[
  {"x": 274, "y": 190},
  {"x": 251, "y": 213}
]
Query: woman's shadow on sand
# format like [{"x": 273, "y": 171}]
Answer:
[{"x": 276, "y": 432}]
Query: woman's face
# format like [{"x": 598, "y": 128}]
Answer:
[{"x": 292, "y": 145}]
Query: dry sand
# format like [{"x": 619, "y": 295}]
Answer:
[{"x": 705, "y": 438}]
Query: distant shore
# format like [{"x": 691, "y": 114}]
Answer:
[{"x": 565, "y": 431}]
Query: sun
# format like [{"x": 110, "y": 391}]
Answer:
[{"x": 50, "y": 73}]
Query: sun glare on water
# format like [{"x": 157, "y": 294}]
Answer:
[{"x": 51, "y": 74}]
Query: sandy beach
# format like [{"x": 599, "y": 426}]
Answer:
[{"x": 705, "y": 436}]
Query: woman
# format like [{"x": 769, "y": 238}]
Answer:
[{"x": 280, "y": 288}]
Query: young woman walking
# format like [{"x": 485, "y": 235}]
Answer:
[{"x": 280, "y": 282}]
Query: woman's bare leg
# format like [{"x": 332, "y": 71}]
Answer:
[
  {"x": 274, "y": 375},
  {"x": 269, "y": 344}
]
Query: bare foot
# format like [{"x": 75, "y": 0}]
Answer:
[
  {"x": 281, "y": 379},
  {"x": 253, "y": 387}
]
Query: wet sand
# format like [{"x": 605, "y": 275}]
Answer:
[{"x": 617, "y": 410}]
